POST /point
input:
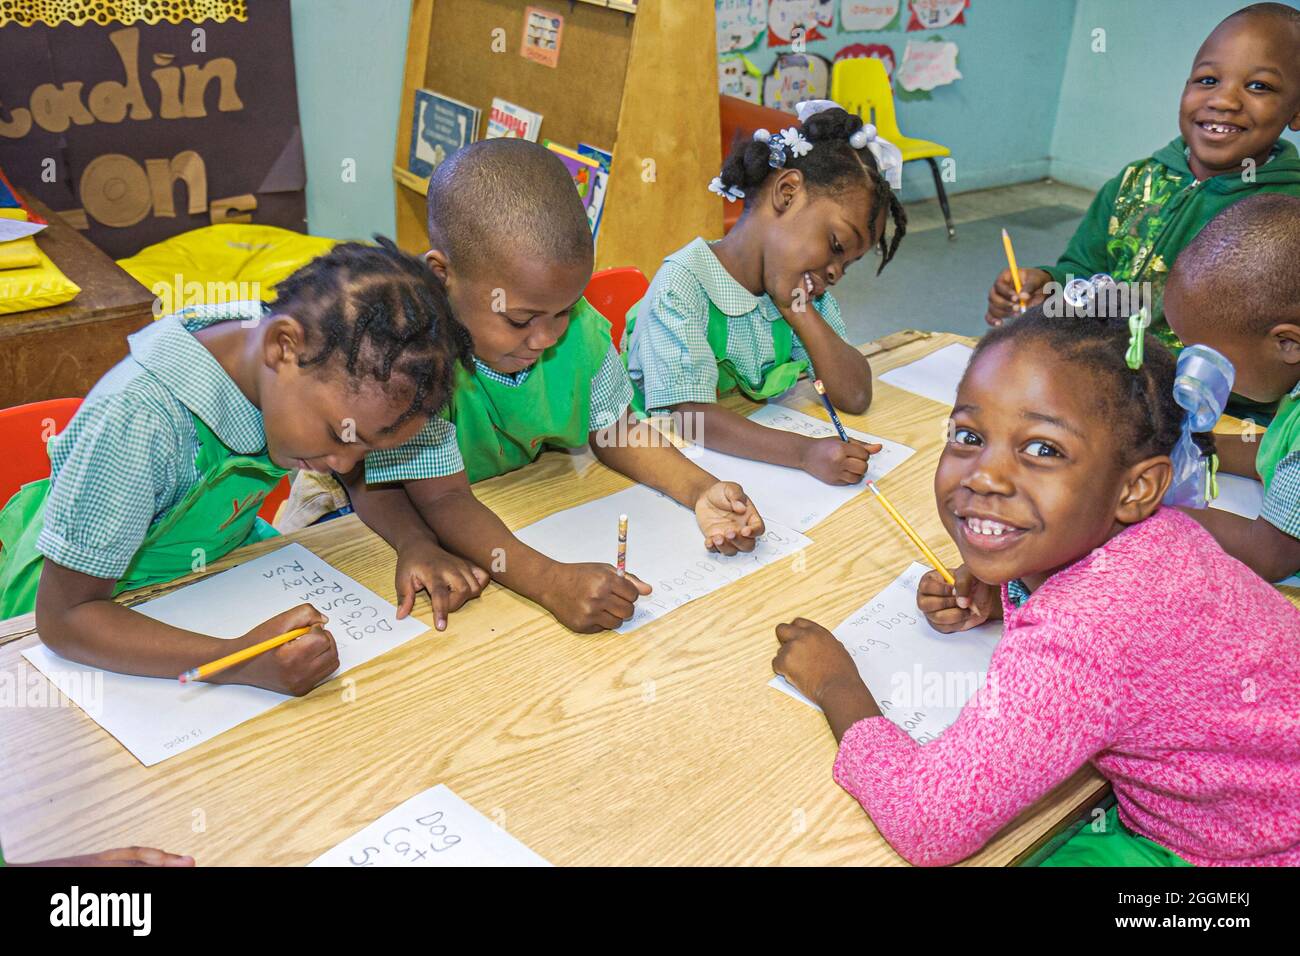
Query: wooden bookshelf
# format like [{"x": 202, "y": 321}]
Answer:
[{"x": 638, "y": 79}]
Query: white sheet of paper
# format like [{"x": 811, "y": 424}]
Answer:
[
  {"x": 790, "y": 496},
  {"x": 433, "y": 828},
  {"x": 665, "y": 548},
  {"x": 921, "y": 678},
  {"x": 11, "y": 229},
  {"x": 1240, "y": 495},
  {"x": 157, "y": 718},
  {"x": 936, "y": 376}
]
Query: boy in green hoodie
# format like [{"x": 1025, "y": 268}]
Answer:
[{"x": 1243, "y": 91}]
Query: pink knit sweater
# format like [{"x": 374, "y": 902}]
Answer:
[{"x": 1158, "y": 657}]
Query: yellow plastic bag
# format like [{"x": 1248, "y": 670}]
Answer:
[
  {"x": 228, "y": 262},
  {"x": 34, "y": 287},
  {"x": 19, "y": 254}
]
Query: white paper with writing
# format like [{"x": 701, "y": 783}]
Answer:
[
  {"x": 157, "y": 718},
  {"x": 665, "y": 547},
  {"x": 433, "y": 828},
  {"x": 921, "y": 678},
  {"x": 1239, "y": 495},
  {"x": 791, "y": 496}
]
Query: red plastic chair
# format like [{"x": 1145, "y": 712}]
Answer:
[
  {"x": 24, "y": 430},
  {"x": 612, "y": 292}
]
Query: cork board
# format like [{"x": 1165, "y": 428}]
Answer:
[{"x": 579, "y": 98}]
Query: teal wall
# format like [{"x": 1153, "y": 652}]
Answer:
[
  {"x": 349, "y": 55},
  {"x": 998, "y": 118},
  {"x": 1121, "y": 105}
]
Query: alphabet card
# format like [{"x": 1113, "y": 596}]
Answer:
[
  {"x": 433, "y": 828},
  {"x": 920, "y": 678},
  {"x": 156, "y": 718}
]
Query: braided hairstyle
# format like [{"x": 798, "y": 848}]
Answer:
[
  {"x": 1139, "y": 401},
  {"x": 832, "y": 165},
  {"x": 378, "y": 312}
]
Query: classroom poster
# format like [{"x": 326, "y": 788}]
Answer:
[
  {"x": 139, "y": 132},
  {"x": 788, "y": 20},
  {"x": 542, "y": 32},
  {"x": 879, "y": 51},
  {"x": 740, "y": 24},
  {"x": 442, "y": 126},
  {"x": 739, "y": 77},
  {"x": 796, "y": 77},
  {"x": 927, "y": 65},
  {"x": 935, "y": 14},
  {"x": 857, "y": 16}
]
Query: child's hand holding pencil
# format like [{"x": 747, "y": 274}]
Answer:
[
  {"x": 286, "y": 664},
  {"x": 967, "y": 602}
]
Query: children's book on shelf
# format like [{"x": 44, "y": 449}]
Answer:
[
  {"x": 583, "y": 169},
  {"x": 442, "y": 126},
  {"x": 507, "y": 119},
  {"x": 597, "y": 205}
]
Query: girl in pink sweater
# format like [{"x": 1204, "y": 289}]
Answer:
[{"x": 1130, "y": 640}]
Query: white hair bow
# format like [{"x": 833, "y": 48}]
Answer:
[
  {"x": 889, "y": 158},
  {"x": 729, "y": 193}
]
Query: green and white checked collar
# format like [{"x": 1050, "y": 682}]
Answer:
[
  {"x": 1295, "y": 392},
  {"x": 169, "y": 351},
  {"x": 732, "y": 298},
  {"x": 514, "y": 380}
]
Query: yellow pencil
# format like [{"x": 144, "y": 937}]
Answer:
[
  {"x": 204, "y": 671},
  {"x": 916, "y": 538},
  {"x": 1015, "y": 272}
]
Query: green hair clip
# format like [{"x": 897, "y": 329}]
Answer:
[
  {"x": 1137, "y": 323},
  {"x": 1212, "y": 479}
]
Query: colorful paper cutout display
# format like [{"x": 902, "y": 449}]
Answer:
[
  {"x": 935, "y": 14},
  {"x": 739, "y": 77},
  {"x": 861, "y": 51},
  {"x": 542, "y": 32},
  {"x": 740, "y": 24},
  {"x": 796, "y": 77},
  {"x": 857, "y": 16},
  {"x": 927, "y": 65},
  {"x": 790, "y": 20}
]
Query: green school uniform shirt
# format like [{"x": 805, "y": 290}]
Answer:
[
  {"x": 1140, "y": 220},
  {"x": 669, "y": 355},
  {"x": 157, "y": 426},
  {"x": 1278, "y": 464},
  {"x": 496, "y": 422}
]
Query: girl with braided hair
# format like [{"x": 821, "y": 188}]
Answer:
[
  {"x": 172, "y": 452},
  {"x": 1131, "y": 641},
  {"x": 753, "y": 310}
]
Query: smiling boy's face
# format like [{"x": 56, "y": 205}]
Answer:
[
  {"x": 515, "y": 312},
  {"x": 1033, "y": 477},
  {"x": 1244, "y": 90}
]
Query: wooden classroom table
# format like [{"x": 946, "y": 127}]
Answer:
[{"x": 665, "y": 746}]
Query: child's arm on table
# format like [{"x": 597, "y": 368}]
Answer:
[
  {"x": 844, "y": 370},
  {"x": 78, "y": 620},
  {"x": 422, "y": 563},
  {"x": 583, "y": 597},
  {"x": 1236, "y": 455},
  {"x": 726, "y": 516},
  {"x": 939, "y": 803},
  {"x": 1267, "y": 550},
  {"x": 831, "y": 460}
]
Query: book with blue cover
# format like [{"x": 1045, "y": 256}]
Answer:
[{"x": 442, "y": 125}]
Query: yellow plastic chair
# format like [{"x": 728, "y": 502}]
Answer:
[{"x": 861, "y": 86}]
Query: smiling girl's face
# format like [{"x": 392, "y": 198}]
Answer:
[
  {"x": 1034, "y": 475},
  {"x": 815, "y": 236}
]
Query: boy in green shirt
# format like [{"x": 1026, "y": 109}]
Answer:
[
  {"x": 512, "y": 244},
  {"x": 1243, "y": 91},
  {"x": 1236, "y": 288}
]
